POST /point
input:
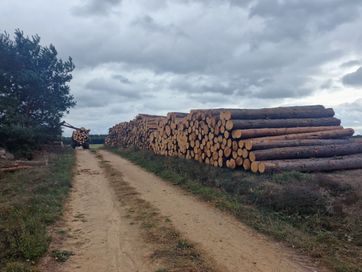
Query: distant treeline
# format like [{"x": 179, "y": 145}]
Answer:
[
  {"x": 94, "y": 139},
  {"x": 357, "y": 136}
]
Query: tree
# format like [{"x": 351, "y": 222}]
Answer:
[{"x": 34, "y": 90}]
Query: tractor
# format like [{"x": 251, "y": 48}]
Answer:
[{"x": 80, "y": 136}]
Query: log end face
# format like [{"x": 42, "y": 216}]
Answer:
[
  {"x": 255, "y": 167},
  {"x": 248, "y": 145},
  {"x": 246, "y": 164},
  {"x": 261, "y": 167},
  {"x": 229, "y": 125}
]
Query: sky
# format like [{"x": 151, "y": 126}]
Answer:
[{"x": 157, "y": 56}]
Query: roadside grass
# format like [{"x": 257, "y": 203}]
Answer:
[
  {"x": 170, "y": 250},
  {"x": 30, "y": 201},
  {"x": 96, "y": 146},
  {"x": 313, "y": 213}
]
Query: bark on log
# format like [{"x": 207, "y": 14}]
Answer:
[
  {"x": 300, "y": 152},
  {"x": 316, "y": 111},
  {"x": 262, "y": 132},
  {"x": 330, "y": 134},
  {"x": 301, "y": 142},
  {"x": 281, "y": 123},
  {"x": 312, "y": 165}
]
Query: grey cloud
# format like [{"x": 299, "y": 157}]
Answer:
[
  {"x": 350, "y": 114},
  {"x": 122, "y": 79},
  {"x": 354, "y": 79},
  {"x": 327, "y": 84},
  {"x": 96, "y": 7},
  {"x": 350, "y": 63},
  {"x": 106, "y": 87},
  {"x": 149, "y": 24}
]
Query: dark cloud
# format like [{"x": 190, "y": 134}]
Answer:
[
  {"x": 106, "y": 87},
  {"x": 122, "y": 79},
  {"x": 350, "y": 63},
  {"x": 354, "y": 79},
  {"x": 95, "y": 7}
]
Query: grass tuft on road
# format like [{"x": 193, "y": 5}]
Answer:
[
  {"x": 317, "y": 214},
  {"x": 31, "y": 200}
]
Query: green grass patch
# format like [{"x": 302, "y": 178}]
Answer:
[
  {"x": 307, "y": 211},
  {"x": 96, "y": 146},
  {"x": 31, "y": 200},
  {"x": 61, "y": 255}
]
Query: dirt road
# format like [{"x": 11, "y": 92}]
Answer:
[
  {"x": 230, "y": 243},
  {"x": 98, "y": 234},
  {"x": 102, "y": 238}
]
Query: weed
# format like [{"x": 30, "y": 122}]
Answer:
[
  {"x": 18, "y": 267},
  {"x": 161, "y": 270},
  {"x": 61, "y": 255},
  {"x": 183, "y": 244}
]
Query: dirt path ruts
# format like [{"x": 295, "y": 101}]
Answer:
[
  {"x": 230, "y": 243},
  {"x": 97, "y": 231}
]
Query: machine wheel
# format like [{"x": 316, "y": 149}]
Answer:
[
  {"x": 74, "y": 145},
  {"x": 86, "y": 145}
]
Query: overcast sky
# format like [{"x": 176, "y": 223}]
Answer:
[{"x": 156, "y": 56}]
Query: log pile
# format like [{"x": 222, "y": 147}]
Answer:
[
  {"x": 134, "y": 133},
  {"x": 303, "y": 138},
  {"x": 81, "y": 136}
]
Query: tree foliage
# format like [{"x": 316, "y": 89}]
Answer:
[{"x": 34, "y": 90}]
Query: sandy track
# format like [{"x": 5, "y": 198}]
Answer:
[
  {"x": 230, "y": 243},
  {"x": 98, "y": 233}
]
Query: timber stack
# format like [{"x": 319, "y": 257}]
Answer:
[
  {"x": 301, "y": 138},
  {"x": 134, "y": 133}
]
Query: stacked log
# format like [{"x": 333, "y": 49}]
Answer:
[
  {"x": 134, "y": 133},
  {"x": 80, "y": 135},
  {"x": 258, "y": 140}
]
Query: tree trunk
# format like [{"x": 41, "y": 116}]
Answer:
[
  {"x": 300, "y": 152},
  {"x": 329, "y": 134},
  {"x": 312, "y": 165},
  {"x": 290, "y": 143},
  {"x": 262, "y": 132},
  {"x": 281, "y": 123},
  {"x": 316, "y": 111}
]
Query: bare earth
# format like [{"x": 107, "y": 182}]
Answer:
[
  {"x": 103, "y": 240},
  {"x": 97, "y": 231}
]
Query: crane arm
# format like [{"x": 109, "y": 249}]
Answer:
[{"x": 65, "y": 124}]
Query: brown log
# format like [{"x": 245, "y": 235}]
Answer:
[
  {"x": 231, "y": 164},
  {"x": 239, "y": 161},
  {"x": 246, "y": 164},
  {"x": 262, "y": 132},
  {"x": 329, "y": 134},
  {"x": 312, "y": 165},
  {"x": 281, "y": 123},
  {"x": 298, "y": 142},
  {"x": 315, "y": 111},
  {"x": 15, "y": 168},
  {"x": 306, "y": 152},
  {"x": 227, "y": 152}
]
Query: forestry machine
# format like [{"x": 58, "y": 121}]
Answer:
[{"x": 80, "y": 136}]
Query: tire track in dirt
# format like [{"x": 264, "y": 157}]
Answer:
[
  {"x": 97, "y": 229},
  {"x": 230, "y": 243}
]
